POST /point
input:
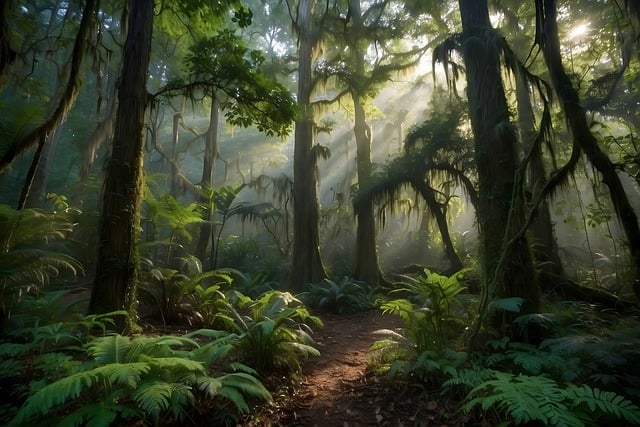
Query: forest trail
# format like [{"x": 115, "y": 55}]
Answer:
[{"x": 338, "y": 388}]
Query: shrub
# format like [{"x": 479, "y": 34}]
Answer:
[
  {"x": 156, "y": 378},
  {"x": 275, "y": 331},
  {"x": 345, "y": 296}
]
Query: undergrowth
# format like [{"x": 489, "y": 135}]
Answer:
[{"x": 584, "y": 375}]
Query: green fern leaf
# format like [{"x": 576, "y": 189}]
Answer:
[
  {"x": 209, "y": 385},
  {"x": 109, "y": 349},
  {"x": 607, "y": 402},
  {"x": 158, "y": 397},
  {"x": 234, "y": 396},
  {"x": 70, "y": 388},
  {"x": 524, "y": 398}
]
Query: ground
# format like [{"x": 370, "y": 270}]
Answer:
[{"x": 339, "y": 389}]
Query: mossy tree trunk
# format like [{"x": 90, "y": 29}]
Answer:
[
  {"x": 116, "y": 272},
  {"x": 496, "y": 155},
  {"x": 306, "y": 262},
  {"x": 547, "y": 37},
  {"x": 210, "y": 155},
  {"x": 545, "y": 247}
]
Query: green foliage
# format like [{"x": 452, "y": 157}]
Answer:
[
  {"x": 275, "y": 331},
  {"x": 345, "y": 296},
  {"x": 560, "y": 382},
  {"x": 224, "y": 65},
  {"x": 192, "y": 295},
  {"x": 32, "y": 252},
  {"x": 251, "y": 284},
  {"x": 170, "y": 224},
  {"x": 538, "y": 398},
  {"x": 158, "y": 378},
  {"x": 430, "y": 310}
]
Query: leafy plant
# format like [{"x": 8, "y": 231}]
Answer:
[
  {"x": 32, "y": 252},
  {"x": 189, "y": 295},
  {"x": 559, "y": 382},
  {"x": 526, "y": 399},
  {"x": 167, "y": 213},
  {"x": 159, "y": 378},
  {"x": 252, "y": 285},
  {"x": 428, "y": 310},
  {"x": 275, "y": 331},
  {"x": 345, "y": 296}
]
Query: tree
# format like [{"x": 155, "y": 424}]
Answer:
[
  {"x": 232, "y": 76},
  {"x": 507, "y": 265},
  {"x": 41, "y": 134},
  {"x": 306, "y": 264},
  {"x": 583, "y": 140},
  {"x": 435, "y": 156},
  {"x": 7, "y": 54},
  {"x": 368, "y": 53},
  {"x": 116, "y": 270}
]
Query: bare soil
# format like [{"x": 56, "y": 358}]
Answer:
[{"x": 339, "y": 389}]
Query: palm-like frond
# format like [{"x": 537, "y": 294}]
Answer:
[
  {"x": 70, "y": 388},
  {"x": 32, "y": 252}
]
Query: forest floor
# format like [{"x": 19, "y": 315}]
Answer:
[{"x": 339, "y": 388}]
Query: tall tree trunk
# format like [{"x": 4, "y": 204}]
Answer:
[
  {"x": 117, "y": 266},
  {"x": 545, "y": 247},
  {"x": 210, "y": 155},
  {"x": 35, "y": 186},
  {"x": 547, "y": 37},
  {"x": 366, "y": 267},
  {"x": 496, "y": 158},
  {"x": 7, "y": 54},
  {"x": 306, "y": 262}
]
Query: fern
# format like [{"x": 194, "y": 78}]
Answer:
[
  {"x": 70, "y": 388},
  {"x": 469, "y": 378},
  {"x": 537, "y": 398},
  {"x": 141, "y": 377},
  {"x": 156, "y": 397},
  {"x": 524, "y": 398},
  {"x": 605, "y": 402},
  {"x": 234, "y": 387}
]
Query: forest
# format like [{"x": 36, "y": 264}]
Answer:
[{"x": 319, "y": 212}]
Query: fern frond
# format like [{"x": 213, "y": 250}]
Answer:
[
  {"x": 606, "y": 402},
  {"x": 109, "y": 349},
  {"x": 70, "y": 388},
  {"x": 524, "y": 398},
  {"x": 470, "y": 377},
  {"x": 232, "y": 386},
  {"x": 157, "y": 397}
]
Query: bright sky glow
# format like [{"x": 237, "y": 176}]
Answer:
[{"x": 578, "y": 31}]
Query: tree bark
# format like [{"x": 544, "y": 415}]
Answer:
[
  {"x": 7, "y": 54},
  {"x": 367, "y": 267},
  {"x": 496, "y": 158},
  {"x": 545, "y": 247},
  {"x": 210, "y": 155},
  {"x": 306, "y": 262},
  {"x": 115, "y": 281},
  {"x": 547, "y": 37}
]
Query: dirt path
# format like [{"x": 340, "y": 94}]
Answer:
[{"x": 339, "y": 390}]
